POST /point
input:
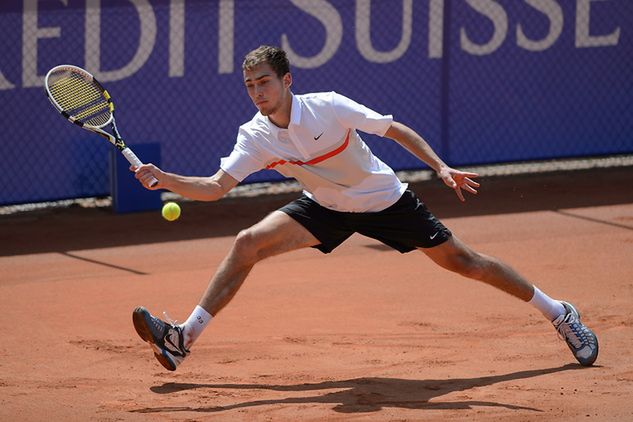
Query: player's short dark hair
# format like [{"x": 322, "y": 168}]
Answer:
[{"x": 274, "y": 56}]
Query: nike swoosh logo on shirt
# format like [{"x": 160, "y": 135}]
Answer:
[{"x": 316, "y": 138}]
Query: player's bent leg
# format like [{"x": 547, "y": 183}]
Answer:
[
  {"x": 275, "y": 234},
  {"x": 456, "y": 256}
]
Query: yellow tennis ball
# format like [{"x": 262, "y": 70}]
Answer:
[{"x": 171, "y": 211}]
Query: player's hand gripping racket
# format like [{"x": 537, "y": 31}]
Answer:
[{"x": 81, "y": 99}]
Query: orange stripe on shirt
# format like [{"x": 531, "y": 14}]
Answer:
[{"x": 314, "y": 160}]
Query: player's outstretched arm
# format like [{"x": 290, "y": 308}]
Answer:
[
  {"x": 197, "y": 188},
  {"x": 455, "y": 179}
]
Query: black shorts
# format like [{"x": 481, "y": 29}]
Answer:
[{"x": 404, "y": 226}]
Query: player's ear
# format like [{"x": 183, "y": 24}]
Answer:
[{"x": 287, "y": 80}]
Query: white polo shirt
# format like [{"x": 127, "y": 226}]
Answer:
[{"x": 323, "y": 151}]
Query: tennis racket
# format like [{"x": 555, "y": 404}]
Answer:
[{"x": 81, "y": 99}]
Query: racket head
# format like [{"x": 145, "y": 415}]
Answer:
[{"x": 78, "y": 96}]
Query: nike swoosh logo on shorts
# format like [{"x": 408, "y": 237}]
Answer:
[{"x": 433, "y": 237}]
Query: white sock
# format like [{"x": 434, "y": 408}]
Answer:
[
  {"x": 195, "y": 324},
  {"x": 549, "y": 307}
]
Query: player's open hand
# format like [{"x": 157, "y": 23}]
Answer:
[
  {"x": 459, "y": 181},
  {"x": 146, "y": 173}
]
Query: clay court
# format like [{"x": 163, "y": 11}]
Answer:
[{"x": 362, "y": 334}]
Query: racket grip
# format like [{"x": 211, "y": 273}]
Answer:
[{"x": 133, "y": 159}]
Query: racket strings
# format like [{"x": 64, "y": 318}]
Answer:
[{"x": 80, "y": 98}]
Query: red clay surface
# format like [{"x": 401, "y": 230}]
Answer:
[{"x": 362, "y": 334}]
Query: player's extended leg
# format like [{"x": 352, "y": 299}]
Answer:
[
  {"x": 456, "y": 256},
  {"x": 275, "y": 234}
]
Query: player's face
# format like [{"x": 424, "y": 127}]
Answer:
[{"x": 267, "y": 90}]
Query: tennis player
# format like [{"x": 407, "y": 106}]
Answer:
[{"x": 315, "y": 139}]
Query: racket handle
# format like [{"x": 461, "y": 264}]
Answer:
[{"x": 133, "y": 159}]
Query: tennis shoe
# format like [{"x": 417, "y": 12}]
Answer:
[
  {"x": 582, "y": 342},
  {"x": 165, "y": 338}
]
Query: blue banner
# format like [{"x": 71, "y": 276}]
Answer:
[{"x": 483, "y": 81}]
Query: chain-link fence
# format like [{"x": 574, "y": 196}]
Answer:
[{"x": 483, "y": 81}]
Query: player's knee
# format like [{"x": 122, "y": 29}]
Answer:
[{"x": 246, "y": 246}]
